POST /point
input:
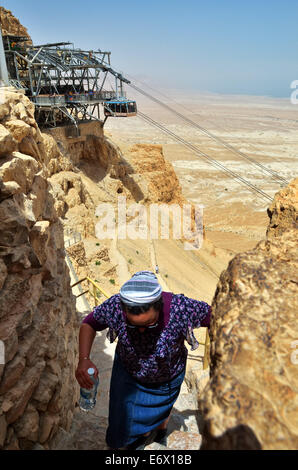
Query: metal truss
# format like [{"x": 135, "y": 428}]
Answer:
[{"x": 67, "y": 85}]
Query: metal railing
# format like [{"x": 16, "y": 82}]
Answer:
[
  {"x": 77, "y": 98},
  {"x": 87, "y": 97},
  {"x": 16, "y": 84},
  {"x": 206, "y": 359},
  {"x": 74, "y": 237},
  {"x": 50, "y": 100},
  {"x": 74, "y": 274},
  {"x": 96, "y": 291},
  {"x": 93, "y": 289}
]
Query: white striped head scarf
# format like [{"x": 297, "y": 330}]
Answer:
[{"x": 142, "y": 288}]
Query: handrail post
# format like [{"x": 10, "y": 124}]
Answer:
[
  {"x": 206, "y": 352},
  {"x": 94, "y": 295}
]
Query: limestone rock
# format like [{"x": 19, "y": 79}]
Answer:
[
  {"x": 22, "y": 112},
  {"x": 28, "y": 425},
  {"x": 38, "y": 446},
  {"x": 9, "y": 189},
  {"x": 95, "y": 150},
  {"x": 10, "y": 341},
  {"x": 83, "y": 435},
  {"x": 178, "y": 440},
  {"x": 70, "y": 188},
  {"x": 11, "y": 441},
  {"x": 39, "y": 194},
  {"x": 283, "y": 211},
  {"x": 49, "y": 424},
  {"x": 11, "y": 25},
  {"x": 3, "y": 273},
  {"x": 158, "y": 175},
  {"x": 54, "y": 160},
  {"x": 104, "y": 254},
  {"x": 73, "y": 198},
  {"x": 7, "y": 142},
  {"x": 13, "y": 223},
  {"x": 19, "y": 129},
  {"x": 38, "y": 323},
  {"x": 39, "y": 238},
  {"x": 3, "y": 430},
  {"x": 30, "y": 147},
  {"x": 45, "y": 390},
  {"x": 251, "y": 401},
  {"x": 21, "y": 294},
  {"x": 21, "y": 169},
  {"x": 4, "y": 109},
  {"x": 13, "y": 372},
  {"x": 21, "y": 394}
]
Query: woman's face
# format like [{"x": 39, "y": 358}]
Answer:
[{"x": 143, "y": 320}]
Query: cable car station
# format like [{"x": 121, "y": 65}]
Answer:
[{"x": 66, "y": 85}]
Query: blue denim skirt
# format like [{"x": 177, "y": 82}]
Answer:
[{"x": 136, "y": 408}]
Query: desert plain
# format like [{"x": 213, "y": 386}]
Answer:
[{"x": 262, "y": 128}]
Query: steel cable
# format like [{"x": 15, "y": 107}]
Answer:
[
  {"x": 212, "y": 161},
  {"x": 273, "y": 174}
]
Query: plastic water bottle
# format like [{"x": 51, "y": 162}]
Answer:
[{"x": 88, "y": 396}]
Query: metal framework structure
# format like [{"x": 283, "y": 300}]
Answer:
[{"x": 67, "y": 85}]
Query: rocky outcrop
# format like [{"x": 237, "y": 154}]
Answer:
[
  {"x": 38, "y": 322},
  {"x": 283, "y": 212},
  {"x": 251, "y": 401},
  {"x": 19, "y": 131},
  {"x": 10, "y": 24},
  {"x": 69, "y": 191},
  {"x": 156, "y": 177},
  {"x": 101, "y": 173}
]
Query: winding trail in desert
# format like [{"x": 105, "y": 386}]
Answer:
[{"x": 154, "y": 263}]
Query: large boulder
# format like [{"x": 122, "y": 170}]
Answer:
[{"x": 251, "y": 401}]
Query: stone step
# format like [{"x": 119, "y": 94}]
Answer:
[
  {"x": 179, "y": 440},
  {"x": 184, "y": 424},
  {"x": 87, "y": 432}
]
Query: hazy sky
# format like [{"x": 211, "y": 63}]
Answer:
[{"x": 222, "y": 46}]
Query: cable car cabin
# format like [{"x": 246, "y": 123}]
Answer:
[{"x": 120, "y": 108}]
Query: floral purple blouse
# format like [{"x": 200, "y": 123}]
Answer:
[{"x": 155, "y": 355}]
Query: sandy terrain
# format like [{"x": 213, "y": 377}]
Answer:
[{"x": 262, "y": 128}]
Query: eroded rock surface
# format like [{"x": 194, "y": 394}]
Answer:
[
  {"x": 10, "y": 24},
  {"x": 38, "y": 321},
  {"x": 251, "y": 401}
]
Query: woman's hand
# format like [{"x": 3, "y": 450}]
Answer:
[{"x": 82, "y": 375}]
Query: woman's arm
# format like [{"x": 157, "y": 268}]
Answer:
[
  {"x": 97, "y": 320},
  {"x": 86, "y": 338}
]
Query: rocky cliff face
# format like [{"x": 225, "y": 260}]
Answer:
[
  {"x": 283, "y": 212},
  {"x": 10, "y": 24},
  {"x": 155, "y": 176},
  {"x": 38, "y": 323},
  {"x": 99, "y": 172},
  {"x": 251, "y": 401}
]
